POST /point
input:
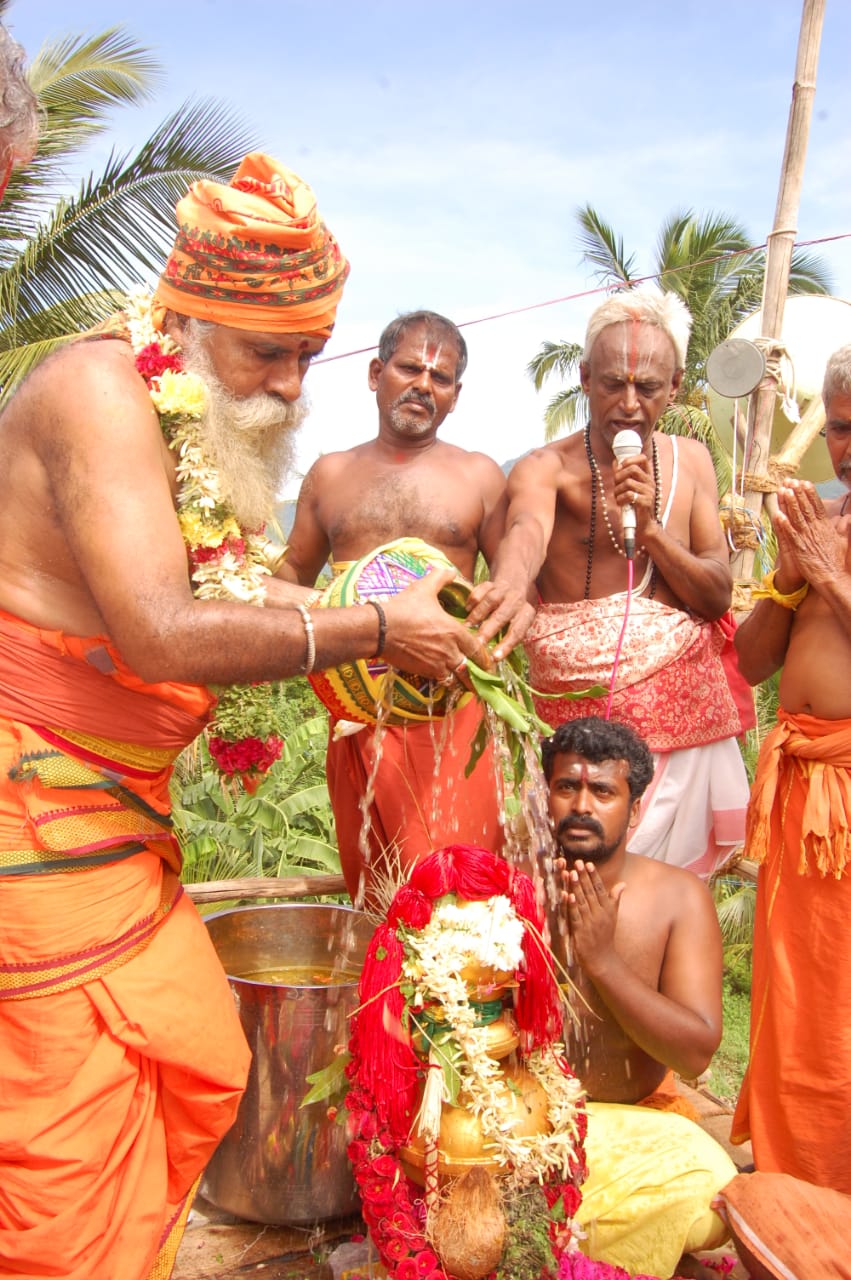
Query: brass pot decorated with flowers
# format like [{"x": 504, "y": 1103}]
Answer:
[
  {"x": 484, "y": 981},
  {"x": 500, "y": 1034},
  {"x": 462, "y": 1142}
]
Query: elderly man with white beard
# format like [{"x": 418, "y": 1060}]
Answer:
[{"x": 138, "y": 468}]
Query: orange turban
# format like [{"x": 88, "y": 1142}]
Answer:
[{"x": 255, "y": 254}]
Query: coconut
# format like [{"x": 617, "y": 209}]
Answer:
[{"x": 468, "y": 1227}]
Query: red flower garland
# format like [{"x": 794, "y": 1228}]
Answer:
[{"x": 247, "y": 756}]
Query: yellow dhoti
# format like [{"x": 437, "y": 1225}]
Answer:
[{"x": 652, "y": 1178}]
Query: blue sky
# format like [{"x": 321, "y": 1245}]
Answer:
[{"x": 449, "y": 145}]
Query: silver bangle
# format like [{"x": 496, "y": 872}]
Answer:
[{"x": 310, "y": 653}]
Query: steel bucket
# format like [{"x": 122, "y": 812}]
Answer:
[{"x": 281, "y": 1163}]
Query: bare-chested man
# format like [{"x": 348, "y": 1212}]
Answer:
[
  {"x": 121, "y": 1053},
  {"x": 406, "y": 483},
  {"x": 564, "y": 533},
  {"x": 796, "y": 1100},
  {"x": 639, "y": 941}
]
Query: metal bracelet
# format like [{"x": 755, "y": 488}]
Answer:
[
  {"x": 382, "y": 627},
  {"x": 310, "y": 653}
]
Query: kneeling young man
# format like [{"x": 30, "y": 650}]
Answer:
[{"x": 640, "y": 943}]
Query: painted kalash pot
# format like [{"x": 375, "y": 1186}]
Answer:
[
  {"x": 370, "y": 691},
  {"x": 468, "y": 1124}
]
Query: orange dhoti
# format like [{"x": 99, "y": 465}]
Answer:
[
  {"x": 121, "y": 1055},
  {"x": 421, "y": 799},
  {"x": 795, "y": 1103}
]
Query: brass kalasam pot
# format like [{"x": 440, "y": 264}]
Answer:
[
  {"x": 484, "y": 982},
  {"x": 501, "y": 1037},
  {"x": 462, "y": 1144}
]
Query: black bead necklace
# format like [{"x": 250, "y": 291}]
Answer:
[{"x": 597, "y": 479}]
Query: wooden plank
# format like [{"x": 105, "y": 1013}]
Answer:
[{"x": 266, "y": 887}]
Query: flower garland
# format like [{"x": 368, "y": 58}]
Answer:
[
  {"x": 225, "y": 561},
  {"x": 415, "y": 962}
]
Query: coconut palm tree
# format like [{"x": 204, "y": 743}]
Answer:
[
  {"x": 709, "y": 262},
  {"x": 64, "y": 258}
]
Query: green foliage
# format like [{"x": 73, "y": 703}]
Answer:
[
  {"x": 528, "y": 1253},
  {"x": 731, "y": 1059},
  {"x": 695, "y": 424},
  {"x": 63, "y": 258},
  {"x": 735, "y": 901},
  {"x": 766, "y": 701},
  {"x": 286, "y": 826},
  {"x": 568, "y": 408}
]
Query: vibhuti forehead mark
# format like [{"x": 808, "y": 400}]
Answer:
[{"x": 430, "y": 355}]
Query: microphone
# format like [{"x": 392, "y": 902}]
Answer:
[{"x": 628, "y": 444}]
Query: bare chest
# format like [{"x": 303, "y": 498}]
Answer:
[{"x": 379, "y": 506}]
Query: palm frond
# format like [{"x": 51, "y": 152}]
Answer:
[
  {"x": 735, "y": 902},
  {"x": 566, "y": 412},
  {"x": 686, "y": 420},
  {"x": 16, "y": 363},
  {"x": 78, "y": 81},
  {"x": 603, "y": 249},
  {"x": 561, "y": 358},
  {"x": 121, "y": 224},
  {"x": 809, "y": 273},
  {"x": 24, "y": 343}
]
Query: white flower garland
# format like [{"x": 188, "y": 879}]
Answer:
[
  {"x": 206, "y": 519},
  {"x": 490, "y": 934}
]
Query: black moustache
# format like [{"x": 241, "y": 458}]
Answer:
[
  {"x": 585, "y": 824},
  {"x": 425, "y": 401}
]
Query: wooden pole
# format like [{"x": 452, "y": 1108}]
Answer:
[
  {"x": 778, "y": 261},
  {"x": 265, "y": 887}
]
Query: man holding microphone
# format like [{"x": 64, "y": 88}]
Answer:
[{"x": 621, "y": 539}]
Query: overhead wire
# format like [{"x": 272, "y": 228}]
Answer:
[{"x": 599, "y": 289}]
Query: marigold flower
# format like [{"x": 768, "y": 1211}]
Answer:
[{"x": 179, "y": 395}]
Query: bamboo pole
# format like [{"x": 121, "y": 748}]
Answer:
[{"x": 778, "y": 260}]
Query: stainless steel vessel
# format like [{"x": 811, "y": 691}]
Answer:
[{"x": 281, "y": 1163}]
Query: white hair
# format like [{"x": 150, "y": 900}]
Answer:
[
  {"x": 19, "y": 111},
  {"x": 837, "y": 375},
  {"x": 649, "y": 305}
]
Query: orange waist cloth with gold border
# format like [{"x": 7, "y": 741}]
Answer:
[{"x": 86, "y": 749}]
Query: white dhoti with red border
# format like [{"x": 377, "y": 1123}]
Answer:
[{"x": 671, "y": 688}]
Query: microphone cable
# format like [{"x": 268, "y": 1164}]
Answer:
[{"x": 630, "y": 572}]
